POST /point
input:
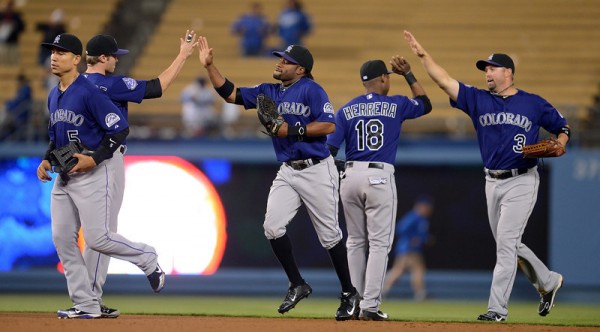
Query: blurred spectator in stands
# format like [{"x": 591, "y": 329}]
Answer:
[
  {"x": 198, "y": 109},
  {"x": 253, "y": 28},
  {"x": 50, "y": 30},
  {"x": 17, "y": 112},
  {"x": 412, "y": 233},
  {"x": 11, "y": 27},
  {"x": 293, "y": 24},
  {"x": 229, "y": 116}
]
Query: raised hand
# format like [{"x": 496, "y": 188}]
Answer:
[
  {"x": 205, "y": 52},
  {"x": 417, "y": 49}
]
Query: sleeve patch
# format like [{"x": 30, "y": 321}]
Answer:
[
  {"x": 130, "y": 83},
  {"x": 328, "y": 108},
  {"x": 111, "y": 119}
]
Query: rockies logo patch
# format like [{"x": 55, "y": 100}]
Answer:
[
  {"x": 130, "y": 83},
  {"x": 328, "y": 108},
  {"x": 111, "y": 119}
]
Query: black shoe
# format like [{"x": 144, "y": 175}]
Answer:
[
  {"x": 109, "y": 312},
  {"x": 349, "y": 306},
  {"x": 294, "y": 295},
  {"x": 491, "y": 316},
  {"x": 370, "y": 315},
  {"x": 547, "y": 301},
  {"x": 75, "y": 313},
  {"x": 157, "y": 279}
]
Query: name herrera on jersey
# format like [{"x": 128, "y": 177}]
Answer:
[
  {"x": 61, "y": 115},
  {"x": 370, "y": 109},
  {"x": 490, "y": 119}
]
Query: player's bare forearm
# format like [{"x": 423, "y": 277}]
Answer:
[
  {"x": 438, "y": 74},
  {"x": 313, "y": 129},
  {"x": 186, "y": 49},
  {"x": 318, "y": 129},
  {"x": 205, "y": 55}
]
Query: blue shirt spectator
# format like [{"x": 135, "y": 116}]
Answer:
[
  {"x": 293, "y": 24},
  {"x": 253, "y": 28}
]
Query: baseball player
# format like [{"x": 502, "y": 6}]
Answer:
[
  {"x": 505, "y": 119},
  {"x": 370, "y": 125},
  {"x": 102, "y": 54},
  {"x": 85, "y": 198},
  {"x": 307, "y": 174}
]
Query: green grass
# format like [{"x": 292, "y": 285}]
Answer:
[{"x": 564, "y": 314}]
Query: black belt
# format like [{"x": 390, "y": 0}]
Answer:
[
  {"x": 302, "y": 164},
  {"x": 122, "y": 149},
  {"x": 503, "y": 175},
  {"x": 371, "y": 165}
]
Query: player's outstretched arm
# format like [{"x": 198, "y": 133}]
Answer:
[
  {"x": 401, "y": 67},
  {"x": 186, "y": 48},
  {"x": 205, "y": 55},
  {"x": 439, "y": 75}
]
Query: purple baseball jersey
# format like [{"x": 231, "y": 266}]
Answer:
[
  {"x": 82, "y": 113},
  {"x": 120, "y": 89},
  {"x": 371, "y": 123},
  {"x": 303, "y": 102},
  {"x": 505, "y": 124}
]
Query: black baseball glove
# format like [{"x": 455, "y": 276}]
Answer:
[
  {"x": 268, "y": 115},
  {"x": 63, "y": 161}
]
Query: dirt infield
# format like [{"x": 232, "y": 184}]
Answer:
[{"x": 26, "y": 322}]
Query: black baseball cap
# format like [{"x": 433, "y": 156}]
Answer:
[
  {"x": 103, "y": 44},
  {"x": 297, "y": 54},
  {"x": 372, "y": 69},
  {"x": 496, "y": 60},
  {"x": 66, "y": 42}
]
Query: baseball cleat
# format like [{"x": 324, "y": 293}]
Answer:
[
  {"x": 109, "y": 312},
  {"x": 73, "y": 313},
  {"x": 371, "y": 315},
  {"x": 491, "y": 316},
  {"x": 294, "y": 295},
  {"x": 157, "y": 279},
  {"x": 547, "y": 300},
  {"x": 349, "y": 306}
]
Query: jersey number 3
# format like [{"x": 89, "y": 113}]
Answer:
[
  {"x": 369, "y": 134},
  {"x": 520, "y": 139}
]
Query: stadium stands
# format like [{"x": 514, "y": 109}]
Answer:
[{"x": 555, "y": 44}]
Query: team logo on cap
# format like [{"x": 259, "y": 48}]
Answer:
[
  {"x": 56, "y": 40},
  {"x": 490, "y": 57},
  {"x": 289, "y": 49},
  {"x": 111, "y": 119}
]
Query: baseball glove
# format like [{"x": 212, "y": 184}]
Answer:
[
  {"x": 268, "y": 115},
  {"x": 546, "y": 148},
  {"x": 62, "y": 158}
]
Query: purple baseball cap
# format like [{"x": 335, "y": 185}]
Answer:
[{"x": 297, "y": 54}]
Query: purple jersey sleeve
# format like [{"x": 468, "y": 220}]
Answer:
[
  {"x": 370, "y": 126},
  {"x": 120, "y": 89},
  {"x": 299, "y": 104},
  {"x": 82, "y": 113},
  {"x": 505, "y": 124}
]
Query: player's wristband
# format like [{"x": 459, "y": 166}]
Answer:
[
  {"x": 566, "y": 131},
  {"x": 297, "y": 131},
  {"x": 410, "y": 78},
  {"x": 226, "y": 89}
]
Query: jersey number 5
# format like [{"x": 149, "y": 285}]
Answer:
[{"x": 369, "y": 134}]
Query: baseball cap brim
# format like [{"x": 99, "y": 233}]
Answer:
[
  {"x": 121, "y": 52},
  {"x": 285, "y": 56},
  {"x": 481, "y": 64},
  {"x": 51, "y": 46}
]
